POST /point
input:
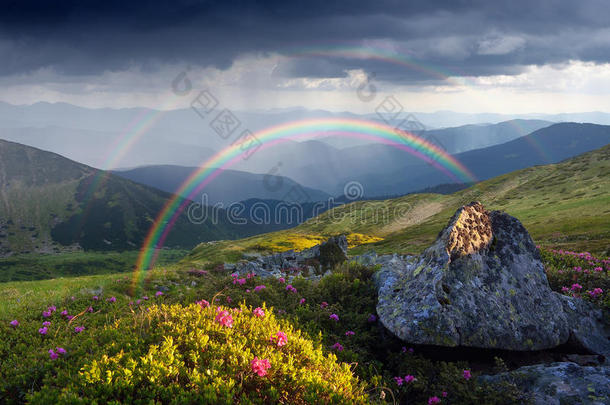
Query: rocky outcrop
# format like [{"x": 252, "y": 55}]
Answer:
[
  {"x": 309, "y": 263},
  {"x": 559, "y": 383},
  {"x": 482, "y": 284}
]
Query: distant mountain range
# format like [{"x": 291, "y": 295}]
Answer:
[
  {"x": 127, "y": 138},
  {"x": 547, "y": 145},
  {"x": 385, "y": 170},
  {"x": 229, "y": 187}
]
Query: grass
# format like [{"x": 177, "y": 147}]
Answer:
[{"x": 29, "y": 267}]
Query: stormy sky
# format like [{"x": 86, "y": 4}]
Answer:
[{"x": 496, "y": 56}]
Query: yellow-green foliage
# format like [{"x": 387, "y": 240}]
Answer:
[
  {"x": 195, "y": 359},
  {"x": 357, "y": 239},
  {"x": 288, "y": 241}
]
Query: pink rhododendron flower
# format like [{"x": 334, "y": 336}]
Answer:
[
  {"x": 158, "y": 293},
  {"x": 565, "y": 289},
  {"x": 434, "y": 400},
  {"x": 14, "y": 323},
  {"x": 302, "y": 301},
  {"x": 595, "y": 292},
  {"x": 64, "y": 312},
  {"x": 79, "y": 329},
  {"x": 60, "y": 350},
  {"x": 280, "y": 339},
  {"x": 281, "y": 280},
  {"x": 576, "y": 287},
  {"x": 111, "y": 299},
  {"x": 260, "y": 366},
  {"x": 250, "y": 275},
  {"x": 43, "y": 330},
  {"x": 258, "y": 312},
  {"x": 224, "y": 318},
  {"x": 52, "y": 308},
  {"x": 259, "y": 288},
  {"x": 598, "y": 269},
  {"x": 90, "y": 309},
  {"x": 46, "y": 314},
  {"x": 398, "y": 380},
  {"x": 324, "y": 304},
  {"x": 145, "y": 298},
  {"x": 95, "y": 298},
  {"x": 234, "y": 275},
  {"x": 52, "y": 354},
  {"x": 467, "y": 375},
  {"x": 290, "y": 288},
  {"x": 409, "y": 378},
  {"x": 334, "y": 317},
  {"x": 138, "y": 301},
  {"x": 203, "y": 303},
  {"x": 46, "y": 323},
  {"x": 241, "y": 281},
  {"x": 350, "y": 333},
  {"x": 338, "y": 347},
  {"x": 247, "y": 290}
]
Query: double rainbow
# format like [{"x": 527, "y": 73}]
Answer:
[{"x": 351, "y": 128}]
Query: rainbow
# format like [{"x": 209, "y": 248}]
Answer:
[{"x": 224, "y": 159}]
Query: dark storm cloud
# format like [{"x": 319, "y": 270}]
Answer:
[{"x": 460, "y": 37}]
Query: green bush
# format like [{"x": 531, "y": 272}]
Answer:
[{"x": 177, "y": 354}]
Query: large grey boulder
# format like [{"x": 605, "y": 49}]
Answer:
[
  {"x": 481, "y": 284},
  {"x": 559, "y": 383}
]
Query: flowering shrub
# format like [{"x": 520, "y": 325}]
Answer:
[
  {"x": 184, "y": 356},
  {"x": 579, "y": 275}
]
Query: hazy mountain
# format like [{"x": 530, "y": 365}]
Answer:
[
  {"x": 230, "y": 186},
  {"x": 104, "y": 148},
  {"x": 312, "y": 161},
  {"x": 547, "y": 145},
  {"x": 470, "y": 137},
  {"x": 130, "y": 137},
  {"x": 445, "y": 119}
]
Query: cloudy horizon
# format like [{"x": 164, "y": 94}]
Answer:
[{"x": 514, "y": 58}]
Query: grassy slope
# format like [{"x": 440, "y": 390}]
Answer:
[{"x": 564, "y": 205}]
